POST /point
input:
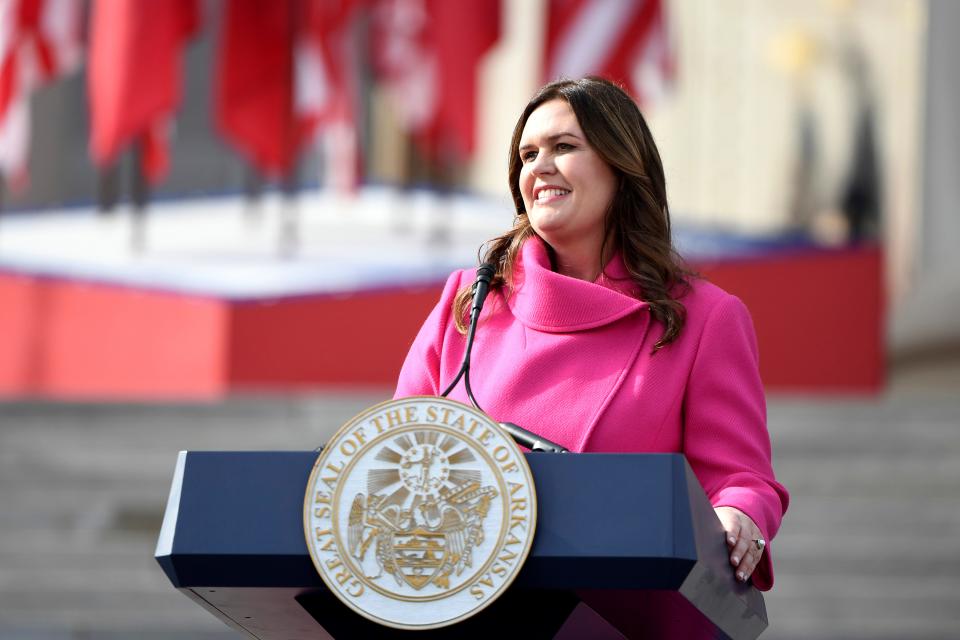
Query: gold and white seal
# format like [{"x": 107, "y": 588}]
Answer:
[{"x": 419, "y": 512}]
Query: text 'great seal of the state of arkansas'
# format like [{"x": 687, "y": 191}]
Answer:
[{"x": 419, "y": 512}]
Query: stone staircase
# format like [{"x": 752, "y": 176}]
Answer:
[
  {"x": 82, "y": 494},
  {"x": 870, "y": 547}
]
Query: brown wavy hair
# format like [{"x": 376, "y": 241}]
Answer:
[{"x": 638, "y": 220}]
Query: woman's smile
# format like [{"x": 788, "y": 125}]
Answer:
[{"x": 549, "y": 194}]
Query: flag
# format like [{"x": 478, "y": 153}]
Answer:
[
  {"x": 134, "y": 77},
  {"x": 255, "y": 84},
  {"x": 626, "y": 41},
  {"x": 326, "y": 92},
  {"x": 427, "y": 52},
  {"x": 39, "y": 40}
]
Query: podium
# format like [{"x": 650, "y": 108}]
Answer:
[{"x": 627, "y": 545}]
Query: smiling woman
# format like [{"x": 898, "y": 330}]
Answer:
[
  {"x": 567, "y": 189},
  {"x": 597, "y": 337},
  {"x": 633, "y": 219}
]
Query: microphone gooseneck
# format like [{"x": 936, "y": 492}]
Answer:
[
  {"x": 520, "y": 435},
  {"x": 481, "y": 287}
]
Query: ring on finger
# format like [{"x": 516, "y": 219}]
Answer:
[{"x": 760, "y": 543}]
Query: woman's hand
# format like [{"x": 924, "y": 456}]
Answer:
[{"x": 742, "y": 536}]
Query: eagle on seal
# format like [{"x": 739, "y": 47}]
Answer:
[{"x": 457, "y": 515}]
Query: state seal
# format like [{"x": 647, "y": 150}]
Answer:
[{"x": 419, "y": 512}]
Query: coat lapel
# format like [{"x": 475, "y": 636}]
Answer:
[{"x": 561, "y": 348}]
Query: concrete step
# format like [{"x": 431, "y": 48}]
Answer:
[{"x": 869, "y": 549}]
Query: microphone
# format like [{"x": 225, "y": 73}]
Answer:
[
  {"x": 532, "y": 441},
  {"x": 481, "y": 287},
  {"x": 520, "y": 435}
]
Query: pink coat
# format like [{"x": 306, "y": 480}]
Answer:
[{"x": 572, "y": 360}]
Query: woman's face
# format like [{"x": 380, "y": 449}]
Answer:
[{"x": 566, "y": 186}]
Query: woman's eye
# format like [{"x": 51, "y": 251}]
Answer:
[
  {"x": 528, "y": 156},
  {"x": 564, "y": 146}
]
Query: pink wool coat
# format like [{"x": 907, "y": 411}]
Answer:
[{"x": 573, "y": 361}]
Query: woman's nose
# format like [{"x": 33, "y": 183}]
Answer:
[{"x": 542, "y": 164}]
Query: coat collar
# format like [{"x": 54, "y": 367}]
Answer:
[{"x": 548, "y": 301}]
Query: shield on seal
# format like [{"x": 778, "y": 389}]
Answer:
[{"x": 419, "y": 555}]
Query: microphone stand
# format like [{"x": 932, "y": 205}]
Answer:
[{"x": 520, "y": 435}]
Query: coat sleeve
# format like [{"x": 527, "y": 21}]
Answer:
[
  {"x": 422, "y": 368},
  {"x": 725, "y": 429}
]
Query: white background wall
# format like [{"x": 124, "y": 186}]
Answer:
[{"x": 927, "y": 314}]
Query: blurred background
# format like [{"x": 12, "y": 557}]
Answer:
[{"x": 205, "y": 203}]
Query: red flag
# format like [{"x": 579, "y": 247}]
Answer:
[
  {"x": 428, "y": 52},
  {"x": 134, "y": 76},
  {"x": 326, "y": 91},
  {"x": 255, "y": 90},
  {"x": 626, "y": 41},
  {"x": 39, "y": 40}
]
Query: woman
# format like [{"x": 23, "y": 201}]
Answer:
[{"x": 594, "y": 335}]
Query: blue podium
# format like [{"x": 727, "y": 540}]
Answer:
[{"x": 626, "y": 546}]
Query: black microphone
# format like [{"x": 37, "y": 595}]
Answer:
[
  {"x": 481, "y": 287},
  {"x": 532, "y": 441},
  {"x": 520, "y": 435}
]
